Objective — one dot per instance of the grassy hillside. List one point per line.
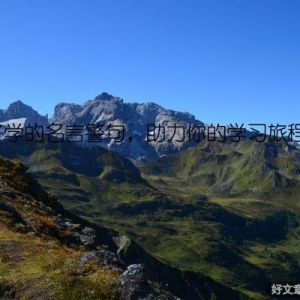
(246, 232)
(244, 169)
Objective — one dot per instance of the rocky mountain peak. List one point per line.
(104, 96)
(107, 98)
(18, 110)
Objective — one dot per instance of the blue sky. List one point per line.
(223, 61)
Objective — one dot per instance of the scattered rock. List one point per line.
(87, 236)
(136, 286)
(104, 258)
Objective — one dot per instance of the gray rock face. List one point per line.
(104, 258)
(136, 286)
(138, 142)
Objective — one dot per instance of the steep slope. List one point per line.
(41, 245)
(46, 253)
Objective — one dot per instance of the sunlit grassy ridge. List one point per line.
(247, 169)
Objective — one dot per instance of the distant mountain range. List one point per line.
(132, 117)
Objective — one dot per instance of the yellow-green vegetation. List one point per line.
(37, 264)
(244, 169)
(33, 268)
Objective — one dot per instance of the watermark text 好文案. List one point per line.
(284, 289)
